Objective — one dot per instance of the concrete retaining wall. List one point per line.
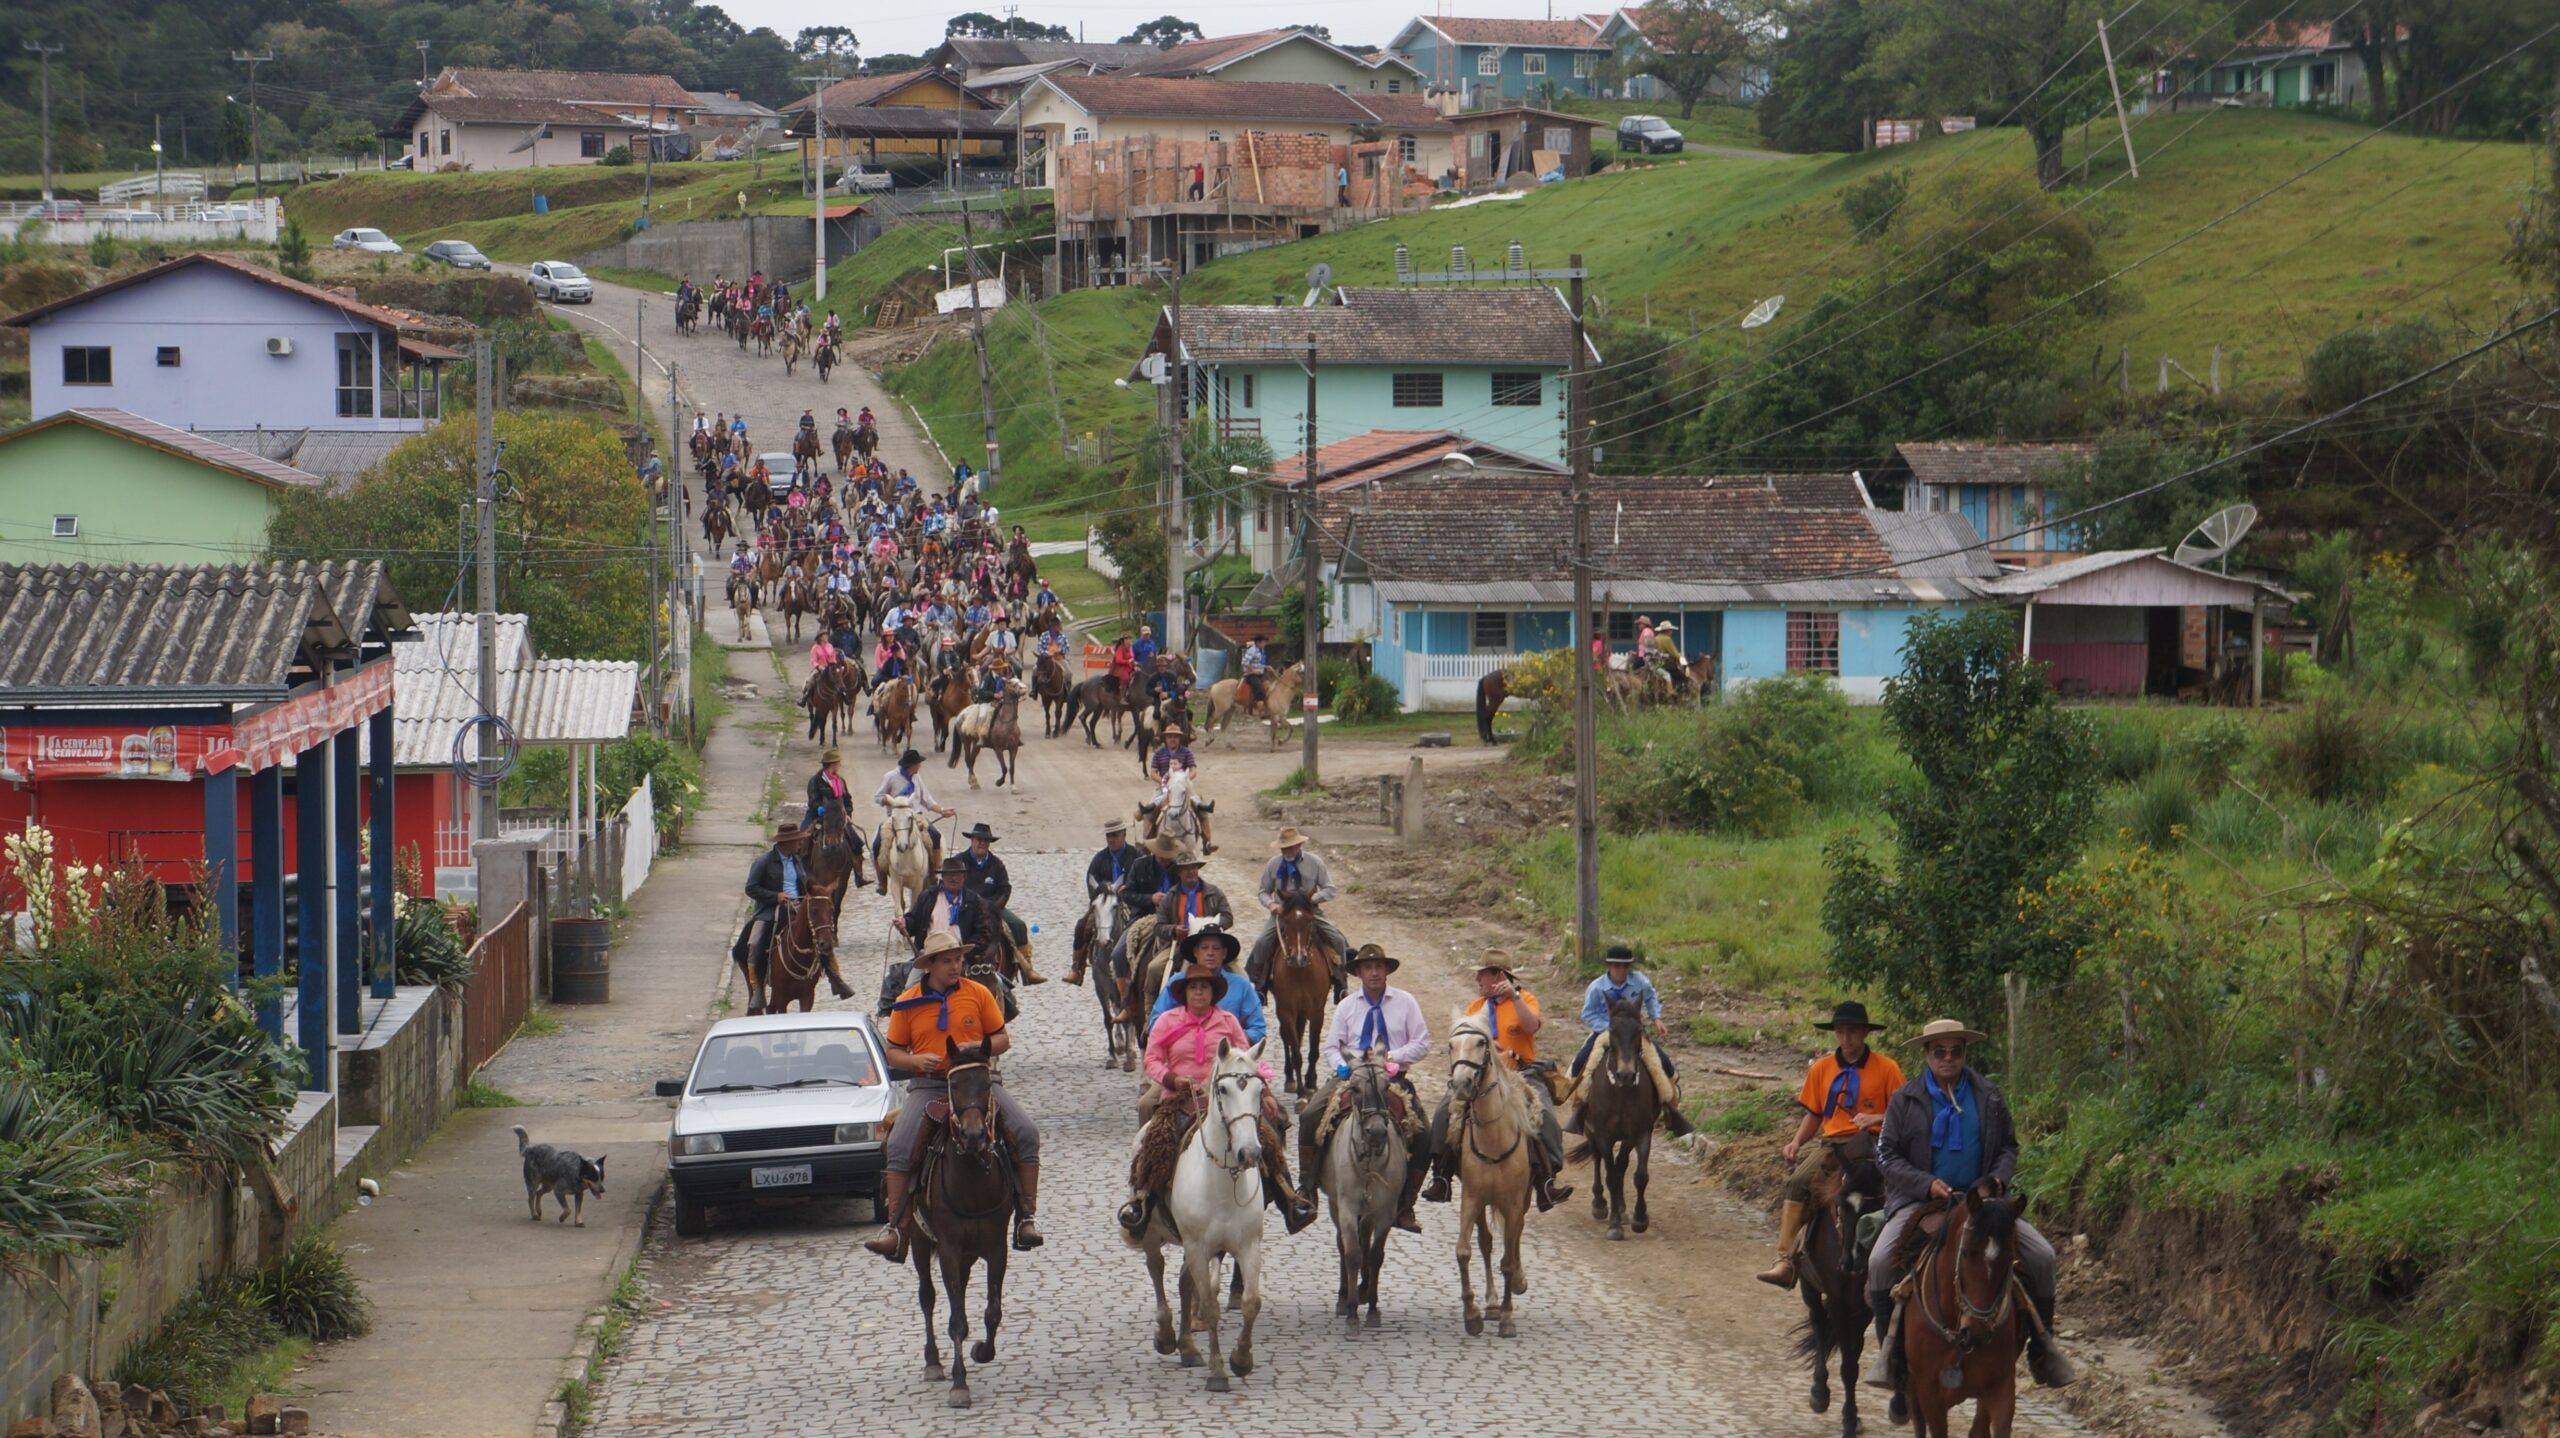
(406, 1073)
(776, 244)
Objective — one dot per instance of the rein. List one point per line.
(1963, 1336)
(782, 949)
(1478, 1093)
(1224, 1123)
(1005, 1193)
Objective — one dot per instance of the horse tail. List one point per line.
(1810, 1341)
(1579, 1153)
(1486, 705)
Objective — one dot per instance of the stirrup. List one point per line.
(1026, 1234)
(1134, 1214)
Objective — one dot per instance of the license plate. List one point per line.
(782, 1176)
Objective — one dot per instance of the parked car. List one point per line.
(562, 283)
(130, 215)
(780, 1106)
(61, 210)
(859, 181)
(460, 254)
(727, 152)
(373, 242)
(229, 214)
(1651, 134)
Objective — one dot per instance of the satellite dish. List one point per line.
(2215, 537)
(1317, 279)
(1153, 367)
(1763, 312)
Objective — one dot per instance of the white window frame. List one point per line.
(1080, 136)
(66, 526)
(1489, 63)
(1408, 149)
(1533, 64)
(1583, 66)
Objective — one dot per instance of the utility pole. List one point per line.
(2107, 52)
(978, 337)
(1177, 517)
(648, 178)
(679, 613)
(44, 65)
(1310, 600)
(818, 162)
(423, 76)
(658, 589)
(159, 171)
(1586, 748)
(484, 366)
(257, 143)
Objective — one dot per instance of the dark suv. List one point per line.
(1651, 134)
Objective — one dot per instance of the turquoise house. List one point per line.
(1493, 62)
(1488, 364)
(1451, 577)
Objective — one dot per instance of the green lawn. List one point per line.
(588, 204)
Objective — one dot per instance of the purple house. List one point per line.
(208, 341)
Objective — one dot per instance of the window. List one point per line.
(1518, 387)
(1395, 87)
(1622, 627)
(1248, 391)
(1489, 63)
(1416, 391)
(590, 144)
(444, 142)
(1559, 140)
(1213, 137)
(1813, 643)
(1533, 63)
(66, 526)
(168, 356)
(355, 376)
(88, 364)
(1079, 136)
(1490, 631)
(1582, 67)
(1408, 149)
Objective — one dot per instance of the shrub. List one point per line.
(427, 949)
(618, 155)
(207, 1336)
(312, 1292)
(2328, 755)
(2163, 807)
(2232, 822)
(1364, 699)
(1870, 205)
(2128, 744)
(102, 249)
(293, 251)
(2208, 750)
(67, 1177)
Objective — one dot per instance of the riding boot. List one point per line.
(1550, 1193)
(1022, 961)
(1134, 1214)
(1443, 1167)
(1676, 1123)
(1414, 1174)
(835, 979)
(1879, 1370)
(891, 1241)
(1308, 1158)
(1026, 1228)
(2045, 1363)
(1075, 971)
(1782, 1274)
(1295, 1212)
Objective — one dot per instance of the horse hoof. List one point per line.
(1600, 1207)
(983, 1351)
(1192, 1360)
(1849, 1426)
(1218, 1383)
(1642, 1223)
(1898, 1410)
(1617, 1234)
(959, 1398)
(1821, 1399)
(1475, 1328)
(1371, 1321)
(1344, 1308)
(1165, 1343)
(1239, 1364)
(1509, 1329)
(933, 1373)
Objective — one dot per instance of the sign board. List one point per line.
(108, 751)
(956, 299)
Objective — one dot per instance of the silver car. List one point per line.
(562, 283)
(370, 241)
(780, 1107)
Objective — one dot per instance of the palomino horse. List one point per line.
(1301, 980)
(1214, 1210)
(906, 854)
(742, 602)
(893, 713)
(1619, 1107)
(1965, 1322)
(1091, 700)
(1093, 939)
(1834, 1281)
(995, 727)
(1285, 687)
(1363, 1179)
(1049, 682)
(802, 944)
(963, 1214)
(1229, 698)
(1492, 1121)
(791, 347)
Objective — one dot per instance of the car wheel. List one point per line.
(692, 1219)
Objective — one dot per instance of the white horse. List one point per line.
(1175, 817)
(906, 854)
(1214, 1211)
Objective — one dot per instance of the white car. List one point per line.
(859, 181)
(780, 1106)
(370, 241)
(562, 283)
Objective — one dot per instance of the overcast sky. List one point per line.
(917, 27)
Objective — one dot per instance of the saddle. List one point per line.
(1407, 1115)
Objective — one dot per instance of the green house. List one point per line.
(101, 486)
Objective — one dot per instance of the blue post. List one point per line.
(311, 912)
(345, 792)
(266, 893)
(222, 865)
(385, 926)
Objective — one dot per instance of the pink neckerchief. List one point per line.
(1198, 1026)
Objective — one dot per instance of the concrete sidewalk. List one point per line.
(477, 1307)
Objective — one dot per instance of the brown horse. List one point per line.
(1049, 683)
(1091, 700)
(945, 695)
(1301, 980)
(716, 526)
(1964, 1324)
(844, 432)
(893, 713)
(963, 1214)
(1833, 1281)
(1491, 691)
(803, 944)
(798, 600)
(1619, 1108)
(1000, 734)
(804, 449)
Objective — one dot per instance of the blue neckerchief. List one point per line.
(1845, 1085)
(1946, 1119)
(1115, 855)
(1493, 1017)
(951, 907)
(1373, 1029)
(924, 996)
(790, 878)
(1288, 873)
(975, 862)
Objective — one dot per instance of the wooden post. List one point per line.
(2257, 650)
(1409, 817)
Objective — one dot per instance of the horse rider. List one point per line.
(942, 1011)
(775, 880)
(1183, 1041)
(1191, 955)
(948, 907)
(1107, 872)
(907, 782)
(1389, 1020)
(988, 880)
(1254, 667)
(1142, 650)
(1123, 665)
(1044, 601)
(1173, 751)
(1947, 1131)
(1149, 876)
(1292, 870)
(1186, 901)
(829, 795)
(1512, 1017)
(1844, 1097)
(1618, 984)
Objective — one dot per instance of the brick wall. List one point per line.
(1109, 177)
(406, 1075)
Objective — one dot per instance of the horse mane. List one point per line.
(1996, 1222)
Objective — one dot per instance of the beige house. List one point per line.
(1280, 57)
(1112, 110)
(473, 119)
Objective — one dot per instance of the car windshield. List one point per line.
(566, 272)
(785, 1058)
(459, 250)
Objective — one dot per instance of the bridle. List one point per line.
(820, 926)
(1976, 1323)
(1220, 1123)
(1368, 1085)
(1477, 1090)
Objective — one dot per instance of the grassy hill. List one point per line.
(2399, 225)
(588, 204)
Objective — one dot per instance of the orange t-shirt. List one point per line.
(1827, 1093)
(1521, 1045)
(973, 1016)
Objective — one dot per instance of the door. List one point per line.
(2161, 650)
(2289, 87)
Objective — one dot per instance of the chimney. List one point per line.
(730, 94)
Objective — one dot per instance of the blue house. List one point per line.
(1491, 62)
(1767, 574)
(2000, 489)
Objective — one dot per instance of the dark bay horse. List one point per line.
(1833, 1281)
(963, 1214)
(803, 942)
(1049, 685)
(1491, 691)
(1090, 701)
(1964, 1324)
(1301, 980)
(1619, 1108)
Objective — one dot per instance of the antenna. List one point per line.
(2216, 536)
(1764, 312)
(1317, 279)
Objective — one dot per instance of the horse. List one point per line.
(842, 440)
(797, 600)
(1283, 698)
(893, 713)
(1491, 691)
(791, 352)
(802, 944)
(945, 695)
(1492, 1121)
(866, 440)
(1301, 980)
(805, 449)
(1962, 1328)
(1214, 1211)
(963, 1214)
(1175, 817)
(1228, 698)
(1094, 934)
(825, 358)
(1364, 1168)
(1091, 700)
(716, 526)
(906, 854)
(1833, 1281)
(742, 601)
(1049, 682)
(1619, 1109)
(996, 727)
(823, 697)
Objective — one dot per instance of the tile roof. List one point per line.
(1537, 34)
(1407, 112)
(1982, 463)
(1193, 57)
(202, 448)
(589, 87)
(128, 633)
(982, 53)
(864, 90)
(337, 455)
(1160, 98)
(1442, 325)
(1389, 453)
(352, 307)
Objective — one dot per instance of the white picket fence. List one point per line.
(1447, 681)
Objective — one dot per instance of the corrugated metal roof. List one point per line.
(130, 633)
(546, 701)
(574, 701)
(1944, 545)
(1626, 593)
(2047, 576)
(2207, 586)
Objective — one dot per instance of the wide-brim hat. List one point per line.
(1114, 825)
(1187, 857)
(940, 941)
(1936, 1029)
(980, 830)
(954, 865)
(1289, 838)
(1851, 1014)
(1498, 961)
(787, 832)
(1371, 953)
(1180, 981)
(909, 757)
(1189, 948)
(832, 756)
(1618, 954)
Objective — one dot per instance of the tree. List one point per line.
(2135, 460)
(235, 131)
(825, 40)
(293, 251)
(1690, 44)
(979, 25)
(657, 50)
(1163, 32)
(1319, 31)
(758, 66)
(1990, 57)
(2007, 789)
(1820, 94)
(894, 63)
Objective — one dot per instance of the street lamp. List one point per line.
(159, 177)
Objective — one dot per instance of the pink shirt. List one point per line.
(1186, 1044)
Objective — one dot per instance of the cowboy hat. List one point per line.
(1182, 981)
(1937, 1029)
(1187, 857)
(955, 865)
(910, 758)
(980, 830)
(940, 941)
(1289, 838)
(1162, 846)
(1848, 1015)
(1114, 825)
(1189, 948)
(788, 832)
(1619, 954)
(832, 756)
(1498, 961)
(1371, 953)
